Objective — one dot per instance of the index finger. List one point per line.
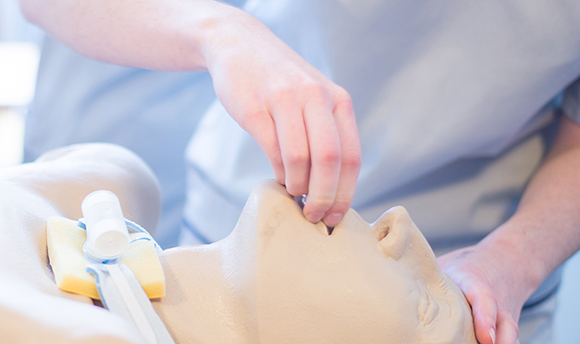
(325, 153)
(350, 160)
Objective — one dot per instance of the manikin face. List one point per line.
(280, 279)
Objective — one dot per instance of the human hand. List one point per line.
(304, 123)
(489, 279)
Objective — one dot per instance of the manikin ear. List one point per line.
(401, 240)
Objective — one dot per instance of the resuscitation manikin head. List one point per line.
(278, 278)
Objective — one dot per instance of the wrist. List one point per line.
(228, 34)
(222, 29)
(511, 253)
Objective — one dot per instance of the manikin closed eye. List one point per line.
(279, 279)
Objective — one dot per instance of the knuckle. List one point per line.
(320, 203)
(282, 93)
(297, 158)
(315, 89)
(330, 155)
(343, 99)
(251, 118)
(351, 159)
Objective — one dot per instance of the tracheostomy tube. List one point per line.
(107, 234)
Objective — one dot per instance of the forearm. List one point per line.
(169, 35)
(546, 226)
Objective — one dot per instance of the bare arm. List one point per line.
(304, 123)
(547, 221)
(503, 270)
(155, 34)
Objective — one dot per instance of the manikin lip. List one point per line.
(300, 201)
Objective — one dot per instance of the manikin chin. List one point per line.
(279, 279)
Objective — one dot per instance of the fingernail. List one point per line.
(314, 217)
(492, 334)
(333, 219)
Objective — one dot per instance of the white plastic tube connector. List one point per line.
(107, 235)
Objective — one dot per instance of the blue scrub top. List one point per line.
(455, 103)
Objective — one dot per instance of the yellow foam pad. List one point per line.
(65, 251)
